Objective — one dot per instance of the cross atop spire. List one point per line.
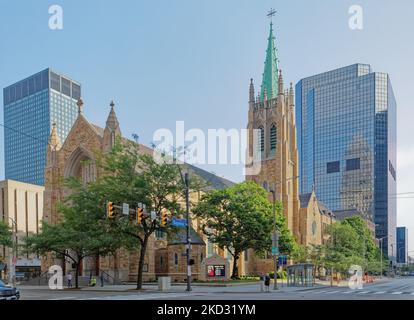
(272, 12)
(270, 73)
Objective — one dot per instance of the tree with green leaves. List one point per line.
(370, 252)
(132, 177)
(240, 218)
(343, 248)
(82, 229)
(5, 234)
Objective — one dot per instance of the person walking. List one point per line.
(267, 282)
(69, 278)
(102, 279)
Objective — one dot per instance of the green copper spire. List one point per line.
(270, 73)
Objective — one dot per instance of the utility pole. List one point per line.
(12, 267)
(187, 211)
(333, 242)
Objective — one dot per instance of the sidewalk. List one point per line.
(208, 288)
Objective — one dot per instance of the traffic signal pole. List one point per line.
(188, 250)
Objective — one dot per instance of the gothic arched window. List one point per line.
(273, 139)
(261, 141)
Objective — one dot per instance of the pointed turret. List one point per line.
(251, 91)
(270, 72)
(112, 129)
(291, 96)
(280, 82)
(80, 106)
(112, 121)
(54, 140)
(53, 148)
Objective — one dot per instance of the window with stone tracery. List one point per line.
(273, 139)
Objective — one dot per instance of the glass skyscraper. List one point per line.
(402, 244)
(31, 106)
(346, 128)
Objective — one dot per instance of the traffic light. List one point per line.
(140, 213)
(110, 210)
(163, 218)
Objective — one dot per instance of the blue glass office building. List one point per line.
(402, 244)
(346, 128)
(31, 106)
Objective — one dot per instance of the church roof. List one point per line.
(270, 73)
(180, 237)
(213, 181)
(304, 199)
(304, 203)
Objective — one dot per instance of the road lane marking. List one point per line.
(346, 292)
(379, 292)
(396, 292)
(65, 298)
(363, 292)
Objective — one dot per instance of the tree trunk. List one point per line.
(77, 275)
(141, 262)
(77, 272)
(235, 272)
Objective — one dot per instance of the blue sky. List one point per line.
(168, 60)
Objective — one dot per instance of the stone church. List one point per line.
(272, 148)
(68, 160)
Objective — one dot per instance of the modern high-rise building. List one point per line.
(346, 128)
(402, 245)
(31, 106)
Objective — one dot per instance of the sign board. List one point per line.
(275, 250)
(216, 271)
(179, 223)
(153, 215)
(125, 208)
(282, 260)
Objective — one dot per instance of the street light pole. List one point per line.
(187, 211)
(275, 235)
(381, 256)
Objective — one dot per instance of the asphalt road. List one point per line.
(392, 289)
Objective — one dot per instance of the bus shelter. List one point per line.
(300, 275)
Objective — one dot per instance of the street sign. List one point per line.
(179, 223)
(125, 208)
(275, 251)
